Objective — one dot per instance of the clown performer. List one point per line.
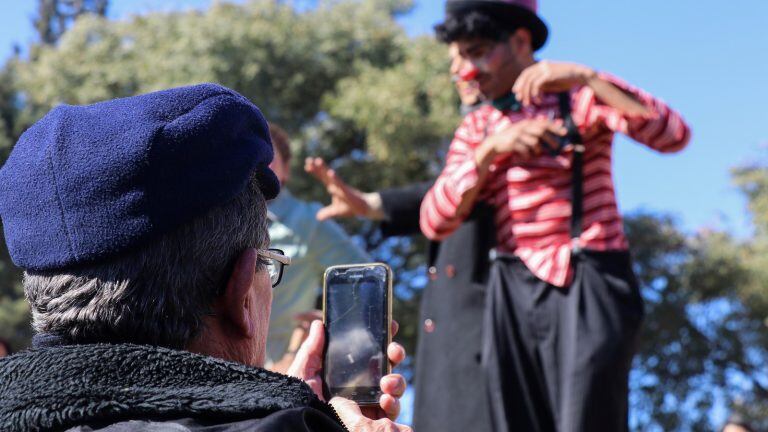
(563, 307)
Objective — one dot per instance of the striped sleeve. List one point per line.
(663, 130)
(439, 210)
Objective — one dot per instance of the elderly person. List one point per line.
(142, 228)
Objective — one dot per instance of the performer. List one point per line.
(453, 301)
(563, 306)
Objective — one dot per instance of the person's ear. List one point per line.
(521, 42)
(236, 302)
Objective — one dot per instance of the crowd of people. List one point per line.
(152, 230)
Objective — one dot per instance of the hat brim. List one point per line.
(518, 15)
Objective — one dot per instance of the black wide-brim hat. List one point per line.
(519, 13)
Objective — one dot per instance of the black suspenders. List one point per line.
(577, 166)
(577, 169)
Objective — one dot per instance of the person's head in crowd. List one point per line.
(5, 348)
(281, 164)
(162, 249)
(737, 423)
(496, 40)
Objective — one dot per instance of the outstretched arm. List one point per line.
(346, 201)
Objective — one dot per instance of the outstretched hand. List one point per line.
(346, 201)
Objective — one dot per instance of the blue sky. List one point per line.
(704, 58)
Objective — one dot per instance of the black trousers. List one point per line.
(558, 359)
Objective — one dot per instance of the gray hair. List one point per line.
(157, 294)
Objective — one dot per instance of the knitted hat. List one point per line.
(89, 182)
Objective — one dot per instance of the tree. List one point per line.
(56, 16)
(702, 346)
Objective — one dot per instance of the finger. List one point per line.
(517, 87)
(395, 353)
(551, 140)
(390, 406)
(526, 144)
(308, 166)
(520, 86)
(313, 166)
(323, 170)
(557, 128)
(309, 357)
(348, 411)
(308, 316)
(328, 212)
(530, 84)
(393, 384)
(538, 83)
(537, 87)
(525, 85)
(394, 326)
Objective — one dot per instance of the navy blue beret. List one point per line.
(89, 182)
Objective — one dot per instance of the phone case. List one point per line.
(389, 318)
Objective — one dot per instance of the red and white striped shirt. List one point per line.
(532, 198)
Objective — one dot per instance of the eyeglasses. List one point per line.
(275, 261)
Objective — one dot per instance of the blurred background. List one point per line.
(364, 84)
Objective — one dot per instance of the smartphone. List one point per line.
(357, 312)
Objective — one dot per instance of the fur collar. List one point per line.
(65, 386)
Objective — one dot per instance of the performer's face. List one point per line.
(468, 90)
(495, 65)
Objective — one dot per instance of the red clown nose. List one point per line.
(469, 72)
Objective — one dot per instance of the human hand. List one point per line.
(524, 138)
(298, 336)
(346, 201)
(355, 420)
(309, 362)
(549, 77)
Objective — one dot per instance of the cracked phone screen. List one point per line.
(357, 329)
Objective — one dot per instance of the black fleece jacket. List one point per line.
(132, 387)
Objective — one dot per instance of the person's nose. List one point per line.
(468, 71)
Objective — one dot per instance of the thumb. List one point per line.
(327, 212)
(348, 411)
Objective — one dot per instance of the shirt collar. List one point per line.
(507, 102)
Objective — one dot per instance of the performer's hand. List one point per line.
(309, 362)
(523, 139)
(549, 77)
(346, 201)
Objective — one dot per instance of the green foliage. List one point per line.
(284, 61)
(702, 342)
